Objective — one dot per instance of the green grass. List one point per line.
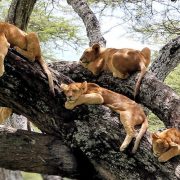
(31, 176)
(172, 80)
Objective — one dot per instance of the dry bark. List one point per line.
(93, 132)
(90, 21)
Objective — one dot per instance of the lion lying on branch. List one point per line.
(131, 114)
(120, 62)
(27, 44)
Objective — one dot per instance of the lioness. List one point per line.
(166, 144)
(121, 62)
(26, 44)
(131, 114)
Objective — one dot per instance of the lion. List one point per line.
(131, 114)
(166, 144)
(120, 62)
(5, 113)
(27, 44)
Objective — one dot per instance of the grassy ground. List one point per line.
(172, 80)
(31, 176)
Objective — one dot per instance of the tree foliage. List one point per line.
(151, 20)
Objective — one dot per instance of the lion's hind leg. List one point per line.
(32, 48)
(125, 117)
(4, 45)
(117, 66)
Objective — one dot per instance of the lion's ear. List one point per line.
(84, 86)
(64, 87)
(155, 136)
(96, 47)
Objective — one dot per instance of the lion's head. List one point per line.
(160, 145)
(90, 55)
(74, 90)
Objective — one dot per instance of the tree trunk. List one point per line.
(93, 132)
(19, 13)
(90, 21)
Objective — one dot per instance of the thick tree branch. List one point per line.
(93, 132)
(19, 13)
(154, 94)
(35, 152)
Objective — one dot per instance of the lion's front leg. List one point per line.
(32, 47)
(92, 98)
(169, 154)
(29, 55)
(69, 105)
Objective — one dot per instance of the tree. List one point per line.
(19, 13)
(88, 140)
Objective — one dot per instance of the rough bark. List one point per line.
(168, 59)
(19, 13)
(93, 132)
(90, 21)
(48, 154)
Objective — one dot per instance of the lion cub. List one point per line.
(26, 44)
(166, 144)
(120, 62)
(131, 114)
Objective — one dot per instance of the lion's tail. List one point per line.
(142, 131)
(141, 75)
(48, 73)
(145, 54)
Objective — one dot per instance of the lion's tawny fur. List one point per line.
(5, 113)
(166, 144)
(131, 114)
(120, 62)
(26, 44)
